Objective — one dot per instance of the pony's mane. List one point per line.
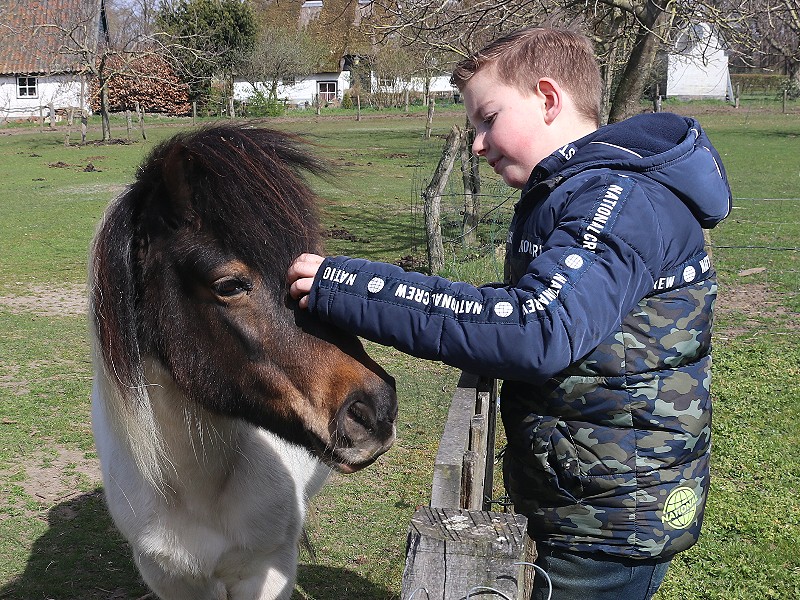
(243, 185)
(247, 188)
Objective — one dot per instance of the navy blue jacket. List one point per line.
(606, 273)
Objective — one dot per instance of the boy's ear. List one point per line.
(552, 95)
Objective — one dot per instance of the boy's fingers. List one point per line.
(300, 276)
(305, 265)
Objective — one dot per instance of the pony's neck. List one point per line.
(200, 446)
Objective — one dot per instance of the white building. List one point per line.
(331, 87)
(698, 66)
(37, 69)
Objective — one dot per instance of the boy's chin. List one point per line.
(513, 181)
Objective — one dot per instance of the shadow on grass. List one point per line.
(81, 556)
(316, 582)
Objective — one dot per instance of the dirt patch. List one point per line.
(12, 382)
(753, 301)
(67, 301)
(54, 478)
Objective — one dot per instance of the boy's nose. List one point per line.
(479, 145)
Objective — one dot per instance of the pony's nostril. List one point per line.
(363, 415)
(368, 418)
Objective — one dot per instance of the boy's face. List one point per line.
(510, 126)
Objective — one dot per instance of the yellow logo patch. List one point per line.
(680, 508)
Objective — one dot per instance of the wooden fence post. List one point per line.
(432, 201)
(140, 117)
(70, 121)
(451, 551)
(429, 120)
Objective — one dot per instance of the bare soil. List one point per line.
(68, 301)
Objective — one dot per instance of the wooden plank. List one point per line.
(447, 468)
(477, 444)
(452, 551)
(487, 391)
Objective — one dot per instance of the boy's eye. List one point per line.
(489, 119)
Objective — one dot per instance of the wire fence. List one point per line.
(755, 248)
(472, 253)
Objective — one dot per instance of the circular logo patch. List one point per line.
(574, 261)
(375, 285)
(680, 508)
(688, 274)
(503, 309)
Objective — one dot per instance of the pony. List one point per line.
(218, 406)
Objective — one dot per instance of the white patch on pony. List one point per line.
(226, 516)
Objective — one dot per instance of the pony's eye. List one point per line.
(228, 287)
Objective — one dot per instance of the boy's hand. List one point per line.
(301, 276)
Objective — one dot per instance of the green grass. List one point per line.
(66, 548)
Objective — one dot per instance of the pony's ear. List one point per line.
(177, 209)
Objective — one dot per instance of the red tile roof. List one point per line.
(42, 36)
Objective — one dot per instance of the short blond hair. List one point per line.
(523, 57)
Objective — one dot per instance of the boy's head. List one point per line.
(520, 59)
(527, 95)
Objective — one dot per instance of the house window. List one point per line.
(289, 81)
(327, 91)
(386, 82)
(26, 87)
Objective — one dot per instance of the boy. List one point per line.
(602, 331)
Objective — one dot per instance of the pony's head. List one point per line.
(189, 269)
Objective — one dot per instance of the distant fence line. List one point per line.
(760, 233)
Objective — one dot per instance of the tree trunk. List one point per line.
(106, 123)
(637, 70)
(472, 199)
(432, 201)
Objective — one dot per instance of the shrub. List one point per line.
(262, 105)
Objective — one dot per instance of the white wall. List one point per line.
(63, 91)
(305, 89)
(701, 70)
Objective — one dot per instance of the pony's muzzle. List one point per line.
(365, 426)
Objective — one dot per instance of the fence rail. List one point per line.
(463, 473)
(457, 546)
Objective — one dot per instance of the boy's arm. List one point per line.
(570, 299)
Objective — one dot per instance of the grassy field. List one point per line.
(56, 540)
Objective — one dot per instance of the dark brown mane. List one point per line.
(241, 186)
(241, 175)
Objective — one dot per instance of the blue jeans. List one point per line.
(597, 576)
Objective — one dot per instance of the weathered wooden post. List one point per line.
(472, 200)
(128, 123)
(140, 116)
(451, 551)
(70, 121)
(429, 120)
(457, 547)
(432, 200)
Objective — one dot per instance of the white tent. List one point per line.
(698, 65)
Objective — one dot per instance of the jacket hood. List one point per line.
(667, 148)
